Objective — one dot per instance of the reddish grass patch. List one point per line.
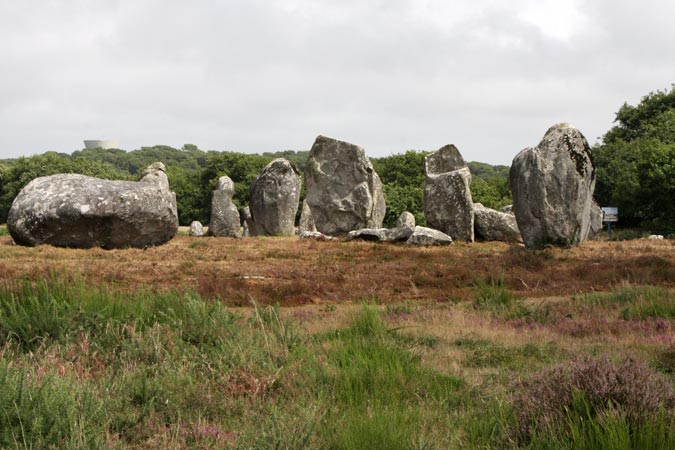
(294, 272)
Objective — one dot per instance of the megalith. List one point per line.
(552, 186)
(492, 225)
(306, 221)
(71, 210)
(596, 225)
(343, 191)
(225, 220)
(448, 206)
(274, 198)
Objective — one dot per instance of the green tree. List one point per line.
(240, 167)
(403, 179)
(635, 164)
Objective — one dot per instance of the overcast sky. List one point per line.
(268, 75)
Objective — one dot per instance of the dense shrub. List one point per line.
(546, 401)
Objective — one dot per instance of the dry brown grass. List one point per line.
(293, 272)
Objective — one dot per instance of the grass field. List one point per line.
(280, 343)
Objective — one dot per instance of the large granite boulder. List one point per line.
(494, 225)
(225, 220)
(448, 205)
(274, 198)
(552, 186)
(343, 191)
(70, 210)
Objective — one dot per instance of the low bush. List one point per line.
(47, 412)
(572, 402)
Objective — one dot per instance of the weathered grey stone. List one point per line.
(595, 227)
(274, 198)
(655, 237)
(343, 191)
(423, 236)
(196, 229)
(225, 220)
(369, 234)
(448, 206)
(306, 221)
(406, 219)
(494, 225)
(246, 221)
(314, 235)
(552, 186)
(508, 209)
(70, 210)
(400, 234)
(381, 234)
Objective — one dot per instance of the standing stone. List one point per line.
(246, 221)
(405, 220)
(274, 198)
(224, 215)
(71, 210)
(196, 229)
(448, 205)
(494, 225)
(343, 191)
(595, 226)
(552, 186)
(306, 221)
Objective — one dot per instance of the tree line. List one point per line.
(635, 167)
(193, 174)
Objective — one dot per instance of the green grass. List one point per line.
(484, 353)
(491, 294)
(86, 366)
(583, 429)
(3, 230)
(638, 302)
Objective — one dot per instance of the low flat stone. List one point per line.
(423, 236)
(316, 235)
(369, 234)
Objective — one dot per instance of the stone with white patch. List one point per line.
(344, 193)
(71, 210)
(448, 206)
(274, 198)
(552, 186)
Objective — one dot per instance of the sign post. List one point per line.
(610, 215)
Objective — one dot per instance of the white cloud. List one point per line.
(265, 75)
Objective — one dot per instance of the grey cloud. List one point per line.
(270, 75)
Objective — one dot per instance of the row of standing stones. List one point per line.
(552, 186)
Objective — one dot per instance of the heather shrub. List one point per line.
(545, 402)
